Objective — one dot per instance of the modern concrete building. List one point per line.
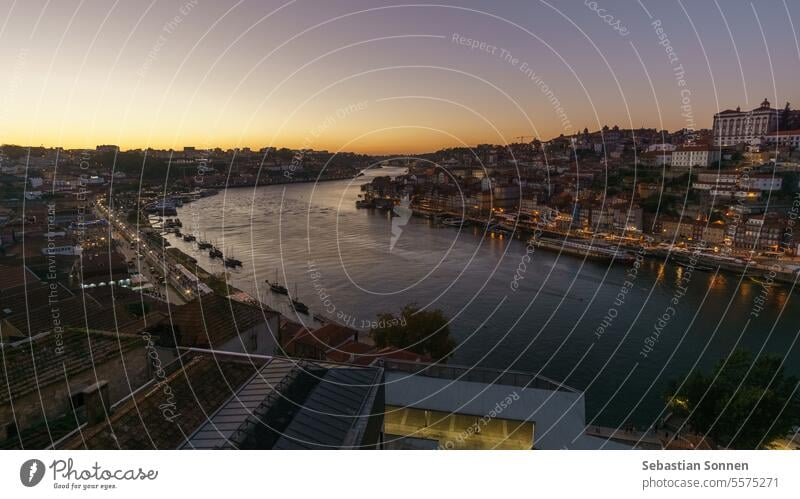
(430, 406)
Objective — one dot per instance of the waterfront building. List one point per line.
(627, 218)
(435, 406)
(712, 233)
(677, 228)
(764, 232)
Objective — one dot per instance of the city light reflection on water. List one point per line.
(547, 324)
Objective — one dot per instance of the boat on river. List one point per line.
(276, 286)
(584, 250)
(297, 304)
(452, 222)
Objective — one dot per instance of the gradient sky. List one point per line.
(375, 76)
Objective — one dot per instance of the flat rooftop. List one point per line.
(557, 411)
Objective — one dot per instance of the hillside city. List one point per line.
(90, 283)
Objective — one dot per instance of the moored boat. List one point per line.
(276, 286)
(297, 304)
(232, 263)
(452, 222)
(589, 251)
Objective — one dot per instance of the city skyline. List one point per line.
(378, 78)
(273, 225)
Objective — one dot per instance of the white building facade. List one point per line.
(691, 156)
(787, 138)
(733, 127)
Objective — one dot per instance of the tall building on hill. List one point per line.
(733, 127)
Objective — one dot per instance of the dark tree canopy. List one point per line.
(421, 331)
(738, 409)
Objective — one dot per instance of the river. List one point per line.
(564, 318)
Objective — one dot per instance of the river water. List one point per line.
(344, 263)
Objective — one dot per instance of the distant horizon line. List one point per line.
(365, 153)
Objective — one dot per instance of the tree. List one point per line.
(790, 183)
(716, 216)
(785, 117)
(421, 331)
(736, 408)
(651, 203)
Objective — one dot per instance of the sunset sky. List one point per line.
(379, 77)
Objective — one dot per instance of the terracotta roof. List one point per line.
(72, 312)
(211, 320)
(81, 311)
(43, 361)
(101, 266)
(289, 329)
(42, 435)
(328, 336)
(118, 295)
(140, 324)
(194, 393)
(12, 276)
(17, 299)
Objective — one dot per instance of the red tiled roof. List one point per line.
(82, 312)
(328, 336)
(15, 276)
(33, 365)
(290, 329)
(211, 320)
(196, 390)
